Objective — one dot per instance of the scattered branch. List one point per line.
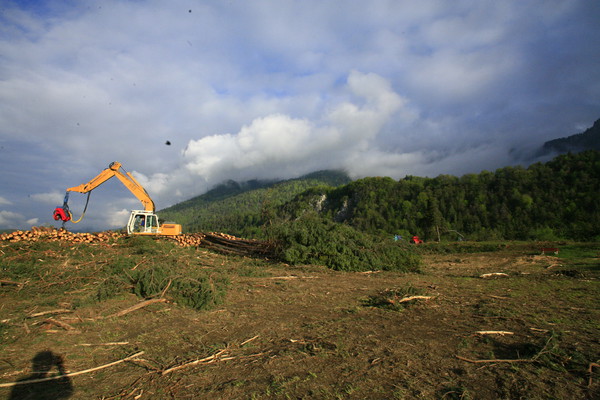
(591, 371)
(411, 298)
(502, 333)
(533, 359)
(136, 307)
(205, 360)
(162, 294)
(51, 312)
(138, 264)
(288, 277)
(249, 340)
(517, 360)
(103, 344)
(4, 282)
(539, 330)
(494, 274)
(221, 355)
(70, 374)
(60, 324)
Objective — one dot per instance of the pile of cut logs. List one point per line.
(55, 235)
(219, 242)
(189, 239)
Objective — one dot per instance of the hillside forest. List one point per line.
(545, 201)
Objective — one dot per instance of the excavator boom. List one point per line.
(114, 169)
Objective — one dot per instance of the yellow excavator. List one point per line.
(141, 222)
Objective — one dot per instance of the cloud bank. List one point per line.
(263, 89)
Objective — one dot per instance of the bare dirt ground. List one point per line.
(531, 331)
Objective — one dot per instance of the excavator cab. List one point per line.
(146, 223)
(142, 222)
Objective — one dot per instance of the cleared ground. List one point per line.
(530, 330)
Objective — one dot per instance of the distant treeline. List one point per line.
(557, 199)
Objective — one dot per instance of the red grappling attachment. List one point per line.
(61, 215)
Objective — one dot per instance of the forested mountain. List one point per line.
(545, 201)
(242, 208)
(557, 199)
(588, 140)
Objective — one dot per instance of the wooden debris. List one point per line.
(591, 371)
(205, 360)
(221, 355)
(70, 374)
(289, 277)
(10, 283)
(517, 360)
(494, 274)
(51, 312)
(539, 330)
(227, 244)
(60, 324)
(137, 307)
(249, 340)
(502, 333)
(411, 298)
(103, 344)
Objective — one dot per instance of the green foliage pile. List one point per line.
(241, 209)
(314, 240)
(558, 199)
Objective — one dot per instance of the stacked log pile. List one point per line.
(226, 244)
(56, 235)
(216, 241)
(188, 239)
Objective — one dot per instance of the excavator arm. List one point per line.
(114, 169)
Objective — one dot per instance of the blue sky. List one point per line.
(277, 89)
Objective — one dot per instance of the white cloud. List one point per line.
(9, 219)
(54, 198)
(118, 218)
(279, 146)
(33, 221)
(263, 90)
(4, 201)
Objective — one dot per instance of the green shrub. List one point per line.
(545, 233)
(148, 245)
(111, 287)
(198, 292)
(313, 240)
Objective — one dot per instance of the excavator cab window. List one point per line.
(145, 223)
(151, 223)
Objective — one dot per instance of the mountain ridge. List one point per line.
(586, 140)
